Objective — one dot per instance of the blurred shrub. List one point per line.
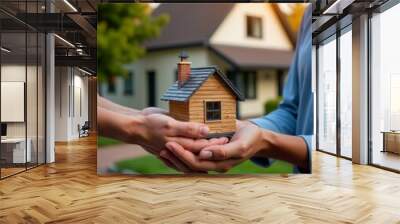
(272, 105)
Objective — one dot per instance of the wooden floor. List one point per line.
(5, 172)
(69, 191)
(387, 159)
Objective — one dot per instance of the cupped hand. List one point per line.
(158, 129)
(246, 142)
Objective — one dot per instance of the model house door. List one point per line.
(151, 89)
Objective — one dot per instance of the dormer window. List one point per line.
(254, 27)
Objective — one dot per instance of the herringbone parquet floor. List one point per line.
(69, 191)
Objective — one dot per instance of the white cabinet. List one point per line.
(19, 155)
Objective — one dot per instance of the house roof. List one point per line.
(283, 19)
(249, 57)
(197, 77)
(188, 26)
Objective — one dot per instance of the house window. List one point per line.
(111, 85)
(128, 84)
(254, 27)
(246, 82)
(151, 88)
(250, 87)
(213, 111)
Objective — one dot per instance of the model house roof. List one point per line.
(197, 77)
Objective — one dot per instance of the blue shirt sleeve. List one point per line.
(285, 119)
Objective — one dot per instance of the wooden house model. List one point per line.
(203, 95)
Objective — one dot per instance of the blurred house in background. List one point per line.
(251, 43)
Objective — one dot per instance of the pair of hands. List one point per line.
(181, 145)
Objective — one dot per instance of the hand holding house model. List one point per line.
(203, 95)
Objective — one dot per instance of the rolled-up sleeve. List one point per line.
(308, 140)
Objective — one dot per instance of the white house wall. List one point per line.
(164, 64)
(232, 31)
(267, 89)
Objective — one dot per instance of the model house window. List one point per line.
(213, 111)
(254, 27)
(128, 84)
(111, 85)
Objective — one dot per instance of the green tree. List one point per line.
(121, 31)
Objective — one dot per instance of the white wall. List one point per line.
(267, 89)
(70, 83)
(11, 73)
(232, 31)
(61, 105)
(33, 126)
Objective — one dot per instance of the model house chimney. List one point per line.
(183, 69)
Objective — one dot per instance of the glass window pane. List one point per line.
(14, 153)
(346, 94)
(385, 89)
(128, 84)
(327, 96)
(32, 97)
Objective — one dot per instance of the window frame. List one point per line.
(251, 23)
(365, 38)
(207, 110)
(337, 38)
(111, 85)
(36, 41)
(129, 80)
(246, 82)
(371, 15)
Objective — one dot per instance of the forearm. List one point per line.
(284, 147)
(107, 104)
(119, 126)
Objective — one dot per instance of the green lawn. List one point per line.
(103, 141)
(151, 165)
